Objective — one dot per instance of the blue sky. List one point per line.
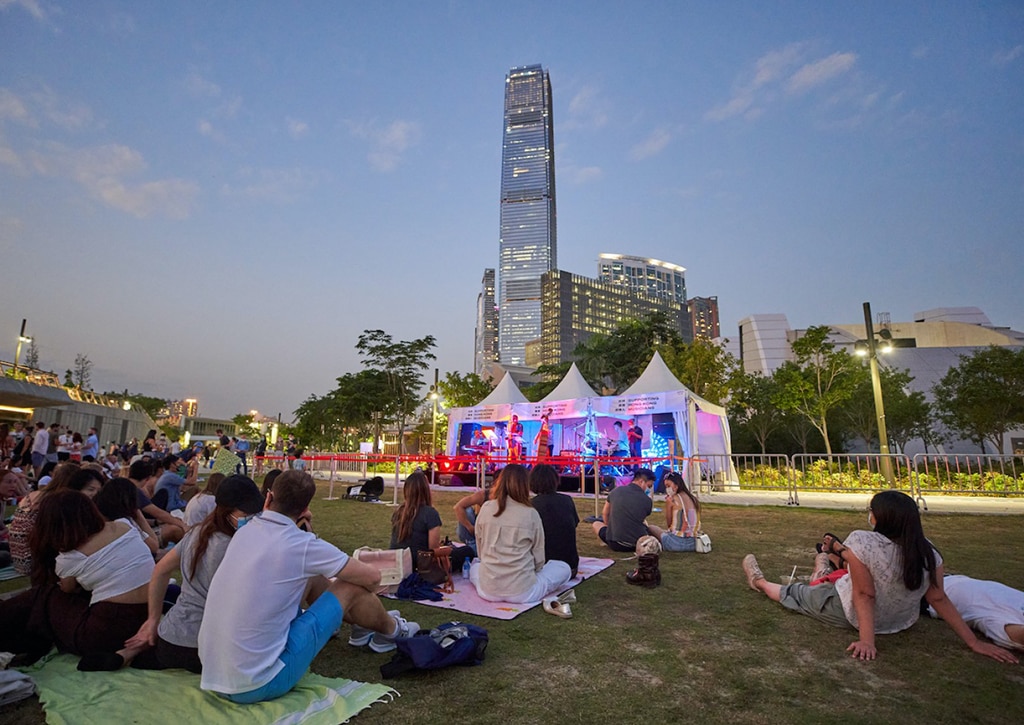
(213, 200)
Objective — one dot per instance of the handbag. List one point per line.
(394, 565)
(435, 567)
(702, 540)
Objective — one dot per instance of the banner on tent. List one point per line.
(486, 413)
(559, 409)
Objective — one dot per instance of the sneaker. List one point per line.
(361, 636)
(386, 643)
(753, 571)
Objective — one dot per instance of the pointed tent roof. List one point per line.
(572, 387)
(657, 378)
(505, 392)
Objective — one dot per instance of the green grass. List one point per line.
(702, 647)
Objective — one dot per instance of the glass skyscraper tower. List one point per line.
(528, 246)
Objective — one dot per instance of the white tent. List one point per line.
(505, 392)
(572, 387)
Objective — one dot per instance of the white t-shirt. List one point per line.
(253, 599)
(199, 507)
(124, 564)
(986, 606)
(896, 607)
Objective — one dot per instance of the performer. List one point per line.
(540, 441)
(619, 444)
(515, 439)
(635, 434)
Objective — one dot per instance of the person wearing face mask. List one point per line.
(177, 474)
(172, 642)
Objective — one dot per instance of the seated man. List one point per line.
(625, 513)
(172, 481)
(994, 609)
(255, 643)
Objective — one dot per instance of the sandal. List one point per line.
(831, 545)
(559, 609)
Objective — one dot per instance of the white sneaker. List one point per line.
(386, 643)
(361, 636)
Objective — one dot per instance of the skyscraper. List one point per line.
(648, 276)
(528, 244)
(485, 345)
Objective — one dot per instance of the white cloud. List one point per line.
(654, 144)
(821, 71)
(196, 85)
(100, 171)
(387, 143)
(787, 69)
(587, 174)
(32, 7)
(587, 109)
(13, 108)
(276, 185)
(1005, 57)
(296, 128)
(68, 115)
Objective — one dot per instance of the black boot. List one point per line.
(647, 574)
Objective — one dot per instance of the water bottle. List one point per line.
(465, 568)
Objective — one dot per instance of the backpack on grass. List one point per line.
(452, 643)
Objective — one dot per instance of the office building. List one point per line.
(648, 276)
(528, 243)
(485, 336)
(575, 307)
(704, 317)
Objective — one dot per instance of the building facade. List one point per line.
(640, 274)
(485, 336)
(528, 243)
(704, 317)
(574, 308)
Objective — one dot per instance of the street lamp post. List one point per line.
(433, 430)
(375, 416)
(876, 383)
(21, 339)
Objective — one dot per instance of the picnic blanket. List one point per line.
(465, 598)
(8, 573)
(128, 695)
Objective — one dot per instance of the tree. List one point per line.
(463, 391)
(908, 415)
(153, 406)
(82, 374)
(702, 366)
(616, 360)
(859, 412)
(69, 381)
(982, 398)
(245, 425)
(403, 364)
(32, 355)
(551, 376)
(752, 405)
(821, 379)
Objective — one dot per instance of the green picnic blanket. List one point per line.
(147, 696)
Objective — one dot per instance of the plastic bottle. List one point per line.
(465, 568)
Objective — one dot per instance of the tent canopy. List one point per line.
(572, 387)
(504, 392)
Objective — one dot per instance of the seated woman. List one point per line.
(416, 525)
(682, 516)
(90, 578)
(118, 499)
(173, 642)
(890, 569)
(557, 514)
(465, 514)
(200, 505)
(510, 541)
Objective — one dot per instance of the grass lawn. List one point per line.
(702, 647)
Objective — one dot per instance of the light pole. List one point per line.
(21, 339)
(876, 383)
(433, 429)
(376, 416)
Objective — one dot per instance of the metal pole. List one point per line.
(17, 352)
(433, 433)
(876, 383)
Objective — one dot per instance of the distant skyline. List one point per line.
(214, 200)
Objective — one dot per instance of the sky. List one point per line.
(213, 200)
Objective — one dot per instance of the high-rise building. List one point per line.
(528, 244)
(649, 276)
(704, 317)
(485, 337)
(576, 307)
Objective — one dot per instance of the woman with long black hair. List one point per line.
(889, 569)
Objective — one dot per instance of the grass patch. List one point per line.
(702, 646)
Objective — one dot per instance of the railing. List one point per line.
(968, 475)
(50, 380)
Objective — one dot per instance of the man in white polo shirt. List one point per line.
(255, 643)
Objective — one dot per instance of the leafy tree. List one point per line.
(821, 379)
(616, 360)
(859, 414)
(82, 375)
(982, 398)
(752, 405)
(153, 406)
(32, 355)
(69, 381)
(702, 366)
(908, 415)
(463, 391)
(245, 425)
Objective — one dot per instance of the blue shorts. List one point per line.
(307, 635)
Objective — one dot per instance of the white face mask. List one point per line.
(871, 520)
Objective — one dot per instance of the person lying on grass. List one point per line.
(890, 569)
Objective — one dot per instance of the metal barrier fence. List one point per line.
(924, 474)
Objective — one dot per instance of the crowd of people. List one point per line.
(260, 594)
